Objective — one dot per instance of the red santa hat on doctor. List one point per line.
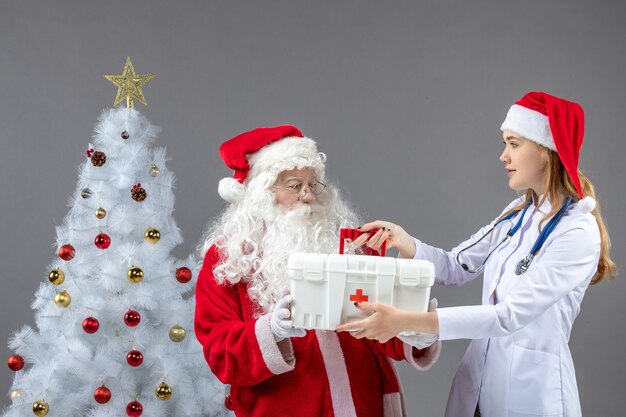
(555, 123)
(266, 149)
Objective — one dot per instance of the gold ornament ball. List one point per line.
(163, 391)
(40, 408)
(16, 394)
(62, 299)
(152, 235)
(101, 213)
(177, 334)
(56, 276)
(135, 274)
(155, 170)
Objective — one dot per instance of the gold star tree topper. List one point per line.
(129, 85)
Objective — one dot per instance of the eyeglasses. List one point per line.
(297, 187)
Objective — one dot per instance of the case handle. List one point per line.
(347, 233)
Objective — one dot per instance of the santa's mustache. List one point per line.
(300, 210)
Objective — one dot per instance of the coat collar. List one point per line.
(545, 207)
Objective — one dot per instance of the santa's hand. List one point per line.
(280, 321)
(421, 340)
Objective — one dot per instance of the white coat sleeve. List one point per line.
(448, 270)
(569, 260)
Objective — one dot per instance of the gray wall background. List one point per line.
(405, 97)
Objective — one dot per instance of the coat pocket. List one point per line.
(535, 383)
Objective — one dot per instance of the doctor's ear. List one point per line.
(545, 156)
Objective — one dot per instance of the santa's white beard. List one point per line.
(256, 237)
(302, 228)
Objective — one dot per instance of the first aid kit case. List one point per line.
(325, 287)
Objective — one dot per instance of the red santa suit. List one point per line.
(321, 374)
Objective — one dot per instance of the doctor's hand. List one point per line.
(280, 321)
(393, 234)
(386, 322)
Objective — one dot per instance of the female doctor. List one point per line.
(538, 257)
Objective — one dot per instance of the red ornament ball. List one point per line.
(91, 325)
(134, 358)
(228, 403)
(15, 362)
(67, 252)
(183, 274)
(132, 318)
(134, 409)
(102, 395)
(102, 241)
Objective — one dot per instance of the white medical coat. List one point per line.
(519, 363)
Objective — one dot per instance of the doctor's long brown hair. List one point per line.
(558, 186)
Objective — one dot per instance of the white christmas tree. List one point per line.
(114, 321)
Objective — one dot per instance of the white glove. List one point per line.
(280, 323)
(421, 340)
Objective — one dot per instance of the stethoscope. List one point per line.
(524, 263)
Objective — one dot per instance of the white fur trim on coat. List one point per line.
(392, 405)
(530, 124)
(427, 360)
(338, 380)
(278, 357)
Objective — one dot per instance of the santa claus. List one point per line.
(281, 203)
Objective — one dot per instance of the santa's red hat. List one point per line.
(555, 123)
(273, 149)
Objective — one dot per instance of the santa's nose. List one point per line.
(307, 196)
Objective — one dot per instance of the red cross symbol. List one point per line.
(359, 297)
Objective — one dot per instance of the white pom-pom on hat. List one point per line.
(231, 190)
(587, 204)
